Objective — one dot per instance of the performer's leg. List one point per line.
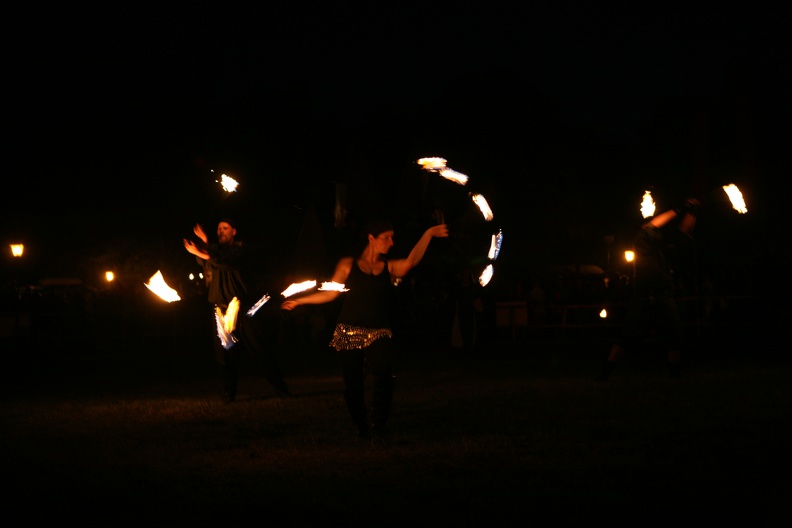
(353, 370)
(379, 357)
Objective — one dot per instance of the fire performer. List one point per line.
(652, 304)
(363, 336)
(228, 264)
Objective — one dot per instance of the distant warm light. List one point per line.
(298, 287)
(647, 205)
(17, 249)
(736, 198)
(486, 275)
(109, 276)
(495, 245)
(604, 314)
(483, 206)
(629, 255)
(157, 284)
(191, 277)
(229, 184)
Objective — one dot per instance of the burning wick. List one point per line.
(439, 165)
(229, 184)
(647, 205)
(484, 206)
(486, 275)
(157, 284)
(333, 286)
(736, 198)
(298, 287)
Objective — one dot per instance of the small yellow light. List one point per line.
(629, 256)
(17, 249)
(109, 276)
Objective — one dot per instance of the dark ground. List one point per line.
(130, 429)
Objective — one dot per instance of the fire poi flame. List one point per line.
(647, 205)
(486, 275)
(495, 245)
(736, 198)
(229, 184)
(439, 165)
(333, 286)
(298, 287)
(261, 302)
(226, 323)
(432, 164)
(157, 284)
(483, 206)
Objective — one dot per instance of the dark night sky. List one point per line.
(561, 115)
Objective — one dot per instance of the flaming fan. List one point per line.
(472, 222)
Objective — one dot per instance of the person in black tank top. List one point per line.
(363, 336)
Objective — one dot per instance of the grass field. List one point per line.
(516, 433)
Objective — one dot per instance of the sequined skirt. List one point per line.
(349, 337)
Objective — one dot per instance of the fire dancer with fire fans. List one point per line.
(227, 263)
(362, 336)
(652, 304)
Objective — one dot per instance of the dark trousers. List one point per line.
(647, 312)
(249, 341)
(376, 359)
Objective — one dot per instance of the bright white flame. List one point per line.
(604, 314)
(484, 206)
(647, 205)
(298, 287)
(229, 184)
(486, 275)
(333, 286)
(17, 249)
(109, 276)
(261, 302)
(735, 197)
(454, 176)
(495, 245)
(432, 164)
(157, 284)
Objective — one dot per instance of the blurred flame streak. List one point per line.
(454, 176)
(647, 205)
(333, 286)
(484, 206)
(495, 245)
(432, 164)
(157, 284)
(486, 275)
(736, 198)
(298, 287)
(261, 302)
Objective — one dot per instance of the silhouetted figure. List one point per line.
(227, 266)
(363, 333)
(652, 305)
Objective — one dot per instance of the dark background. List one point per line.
(119, 120)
